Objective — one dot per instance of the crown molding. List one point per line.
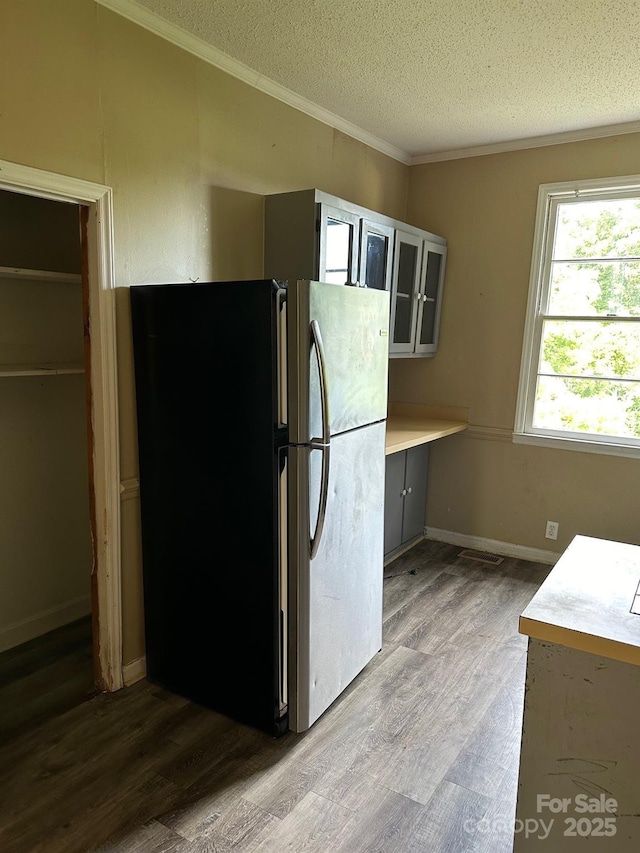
(203, 50)
(530, 142)
(154, 23)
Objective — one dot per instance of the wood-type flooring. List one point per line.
(45, 677)
(419, 754)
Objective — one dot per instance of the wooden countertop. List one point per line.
(410, 424)
(585, 602)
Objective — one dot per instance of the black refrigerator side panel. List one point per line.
(205, 372)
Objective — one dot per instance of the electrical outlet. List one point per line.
(552, 530)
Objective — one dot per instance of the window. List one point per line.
(580, 372)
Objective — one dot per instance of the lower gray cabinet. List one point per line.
(405, 497)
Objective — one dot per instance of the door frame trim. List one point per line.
(104, 398)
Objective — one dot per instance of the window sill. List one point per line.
(576, 444)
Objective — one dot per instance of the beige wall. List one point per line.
(189, 152)
(485, 207)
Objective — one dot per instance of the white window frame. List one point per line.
(549, 195)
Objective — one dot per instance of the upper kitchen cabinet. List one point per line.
(416, 296)
(310, 234)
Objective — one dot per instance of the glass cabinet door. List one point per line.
(338, 246)
(376, 247)
(433, 261)
(405, 291)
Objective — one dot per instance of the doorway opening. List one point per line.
(60, 616)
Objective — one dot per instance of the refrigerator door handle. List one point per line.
(316, 343)
(323, 444)
(314, 541)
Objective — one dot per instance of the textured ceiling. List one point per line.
(429, 76)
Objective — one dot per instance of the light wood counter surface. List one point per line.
(586, 601)
(410, 424)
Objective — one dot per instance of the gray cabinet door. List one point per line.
(339, 232)
(415, 484)
(430, 302)
(405, 292)
(405, 496)
(393, 500)
(376, 254)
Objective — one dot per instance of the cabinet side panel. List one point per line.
(580, 747)
(290, 236)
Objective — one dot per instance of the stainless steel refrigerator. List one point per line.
(261, 412)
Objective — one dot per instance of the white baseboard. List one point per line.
(493, 546)
(134, 671)
(34, 626)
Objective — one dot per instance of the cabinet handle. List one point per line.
(403, 493)
(429, 299)
(409, 490)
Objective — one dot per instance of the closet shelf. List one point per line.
(41, 369)
(40, 275)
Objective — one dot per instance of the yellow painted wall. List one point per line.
(189, 152)
(485, 207)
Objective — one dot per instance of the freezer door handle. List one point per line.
(323, 444)
(318, 346)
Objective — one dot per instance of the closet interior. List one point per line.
(46, 656)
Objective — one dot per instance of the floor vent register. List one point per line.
(481, 557)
